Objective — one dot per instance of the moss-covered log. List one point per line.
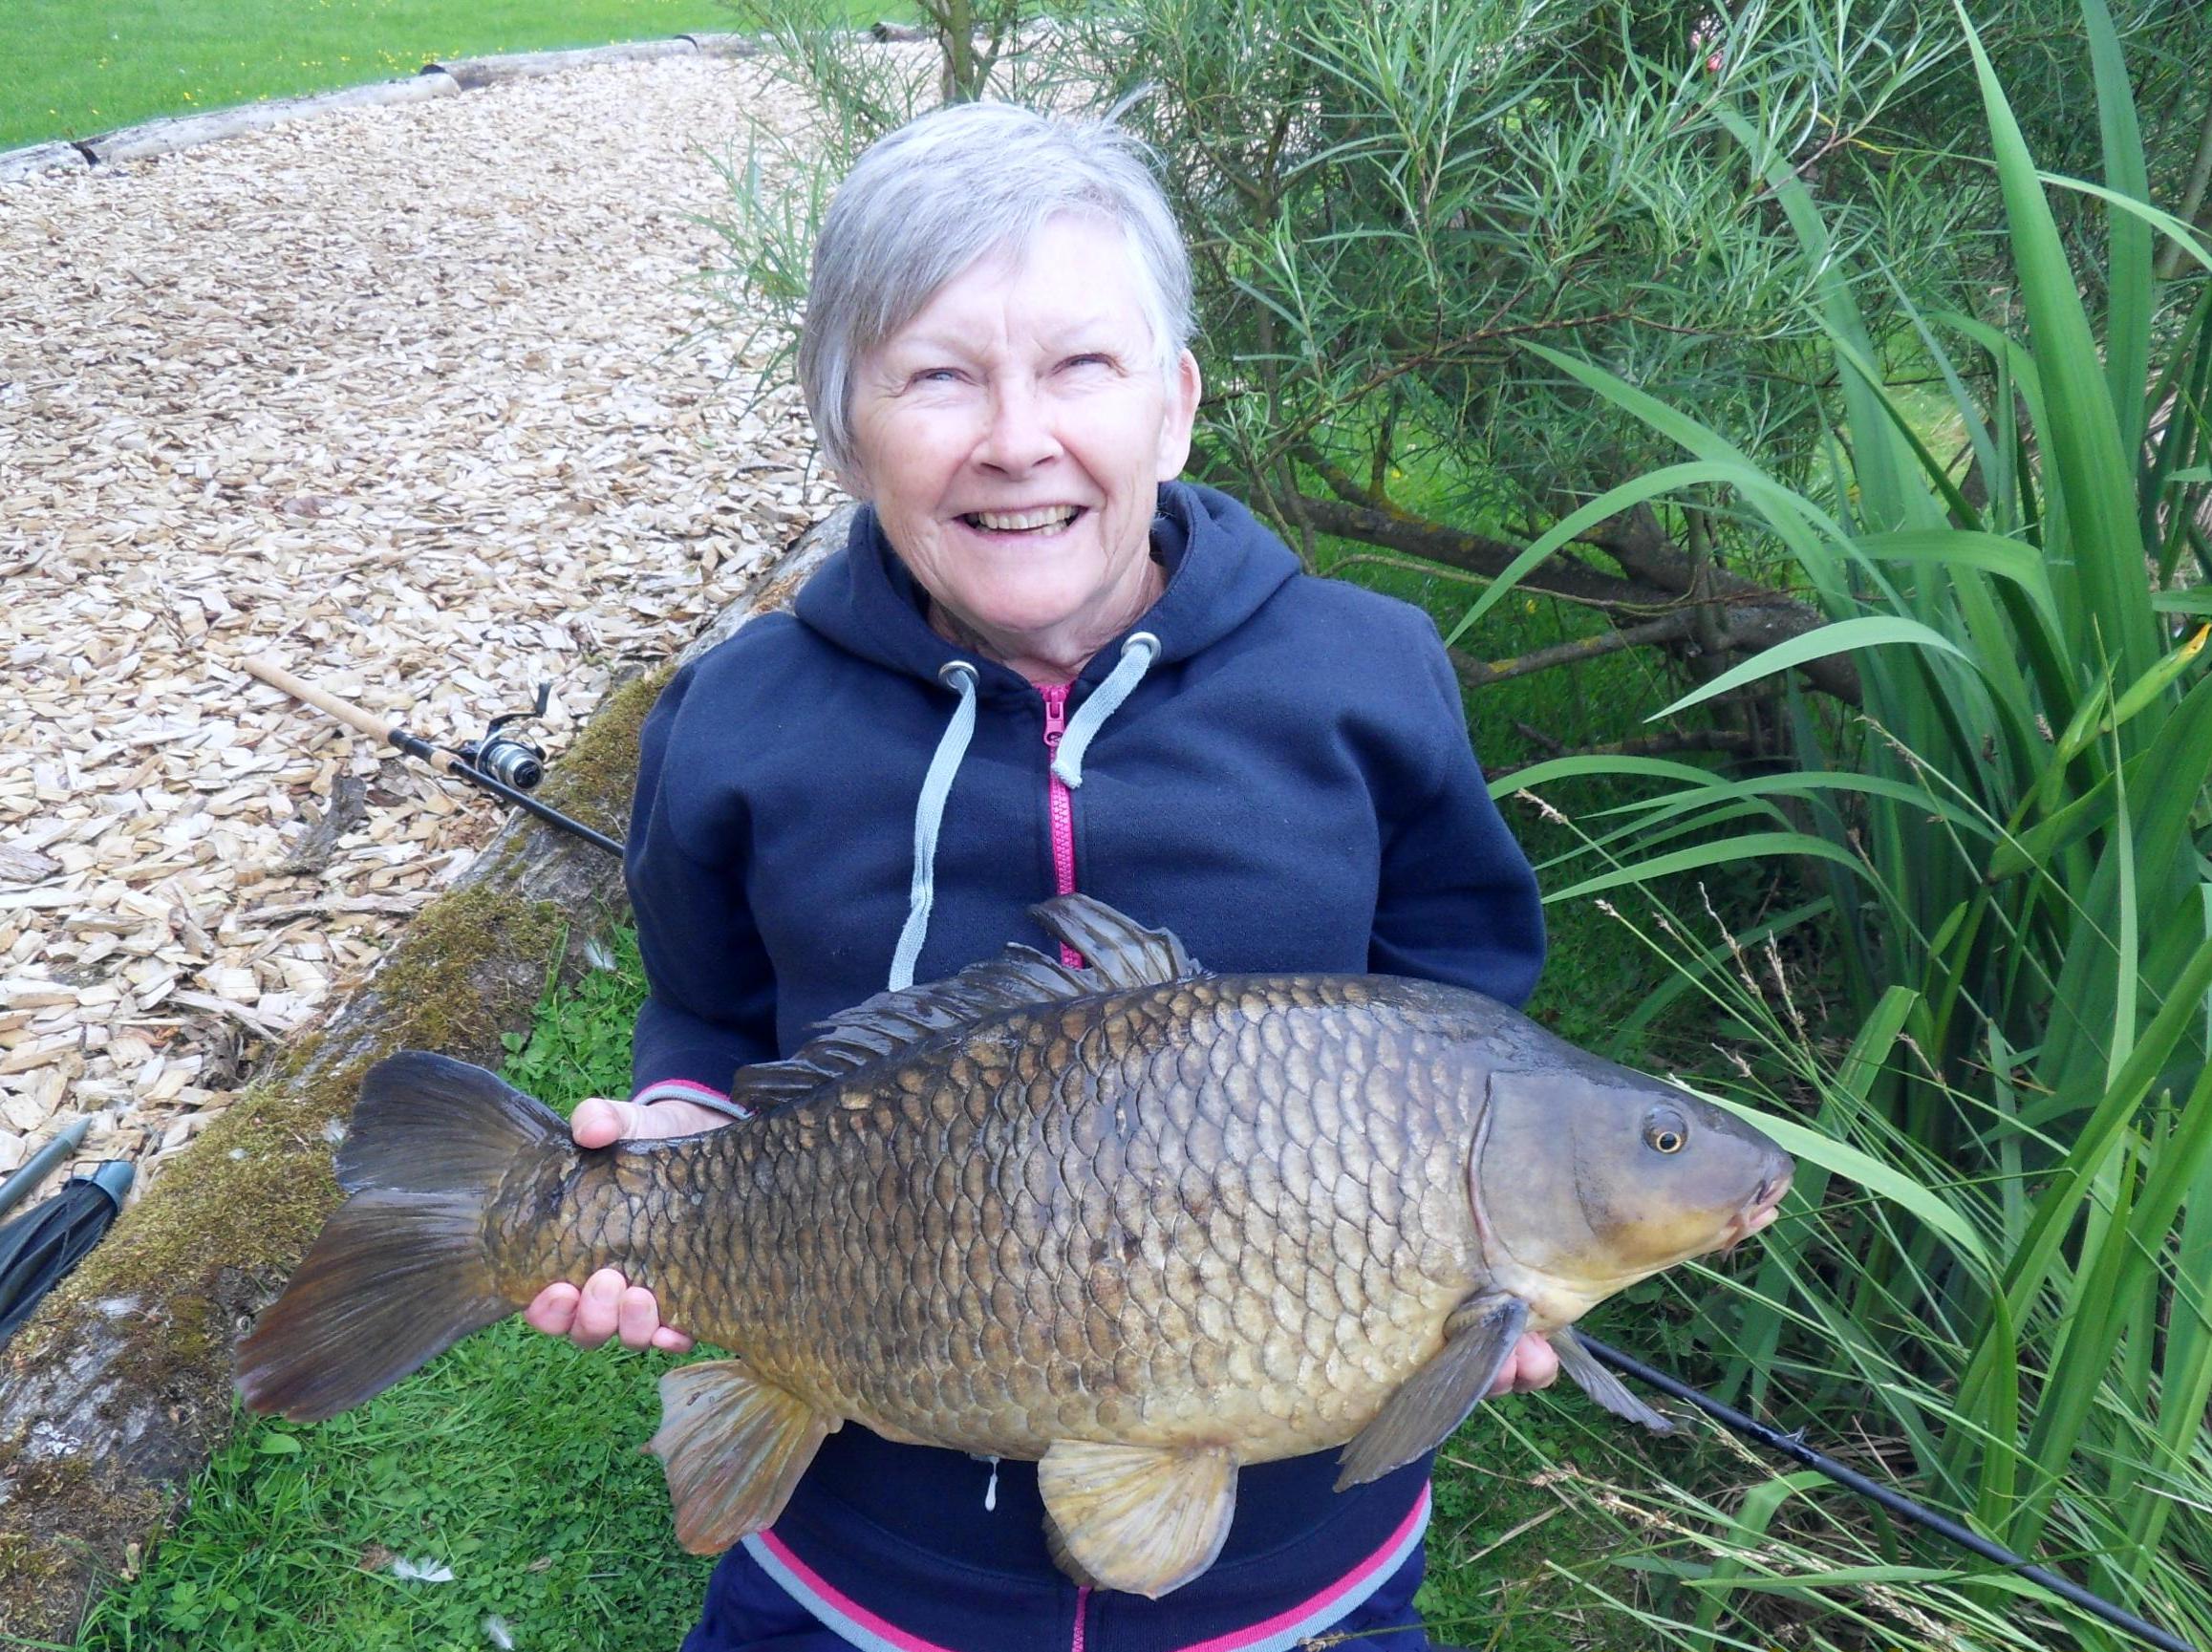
(115, 1392)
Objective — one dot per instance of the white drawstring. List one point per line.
(929, 816)
(1138, 652)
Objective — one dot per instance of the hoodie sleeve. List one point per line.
(1457, 900)
(711, 992)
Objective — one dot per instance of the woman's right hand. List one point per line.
(608, 1304)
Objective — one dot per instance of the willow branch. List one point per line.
(1662, 580)
(1734, 741)
(1481, 674)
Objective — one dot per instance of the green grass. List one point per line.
(73, 70)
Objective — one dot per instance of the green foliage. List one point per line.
(579, 1043)
(1998, 1238)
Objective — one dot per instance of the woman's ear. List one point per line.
(1179, 416)
(853, 480)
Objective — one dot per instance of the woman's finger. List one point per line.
(638, 1318)
(599, 1122)
(600, 1311)
(1536, 1366)
(554, 1309)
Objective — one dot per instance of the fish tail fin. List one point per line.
(402, 1270)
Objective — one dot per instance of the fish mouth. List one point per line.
(1759, 1210)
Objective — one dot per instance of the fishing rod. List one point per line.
(24, 1180)
(1793, 1446)
(496, 760)
(500, 764)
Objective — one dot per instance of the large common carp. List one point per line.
(1139, 1222)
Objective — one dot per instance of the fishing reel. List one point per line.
(510, 760)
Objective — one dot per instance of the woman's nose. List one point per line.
(1019, 435)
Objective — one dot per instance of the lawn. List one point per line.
(73, 70)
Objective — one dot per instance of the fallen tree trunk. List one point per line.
(114, 1394)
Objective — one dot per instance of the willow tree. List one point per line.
(1388, 199)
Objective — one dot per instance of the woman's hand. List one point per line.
(1532, 1365)
(610, 1305)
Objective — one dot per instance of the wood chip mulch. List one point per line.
(421, 401)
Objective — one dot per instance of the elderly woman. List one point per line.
(1039, 663)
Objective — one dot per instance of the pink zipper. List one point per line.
(1060, 806)
(1082, 1598)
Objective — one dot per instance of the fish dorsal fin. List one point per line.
(1122, 953)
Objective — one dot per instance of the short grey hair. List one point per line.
(957, 184)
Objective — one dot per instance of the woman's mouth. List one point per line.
(1042, 523)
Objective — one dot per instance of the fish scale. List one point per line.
(1138, 1222)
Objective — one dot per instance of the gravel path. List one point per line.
(410, 399)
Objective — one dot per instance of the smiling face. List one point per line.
(1012, 438)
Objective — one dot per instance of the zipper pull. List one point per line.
(1055, 711)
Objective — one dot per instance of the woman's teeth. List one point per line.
(1022, 521)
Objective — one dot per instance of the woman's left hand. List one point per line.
(1532, 1365)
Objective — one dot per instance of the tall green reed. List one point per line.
(2005, 852)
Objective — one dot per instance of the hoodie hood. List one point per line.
(1221, 563)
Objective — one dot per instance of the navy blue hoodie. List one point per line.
(1289, 786)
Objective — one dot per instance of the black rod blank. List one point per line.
(1794, 1447)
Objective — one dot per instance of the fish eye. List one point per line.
(1665, 1130)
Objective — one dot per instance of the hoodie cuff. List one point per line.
(689, 1090)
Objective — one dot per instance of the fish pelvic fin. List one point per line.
(1071, 1568)
(1478, 1339)
(401, 1271)
(732, 1446)
(1140, 1519)
(1601, 1384)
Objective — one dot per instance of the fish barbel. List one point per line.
(1139, 1222)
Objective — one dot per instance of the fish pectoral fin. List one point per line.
(1601, 1384)
(732, 1446)
(1478, 1338)
(1140, 1519)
